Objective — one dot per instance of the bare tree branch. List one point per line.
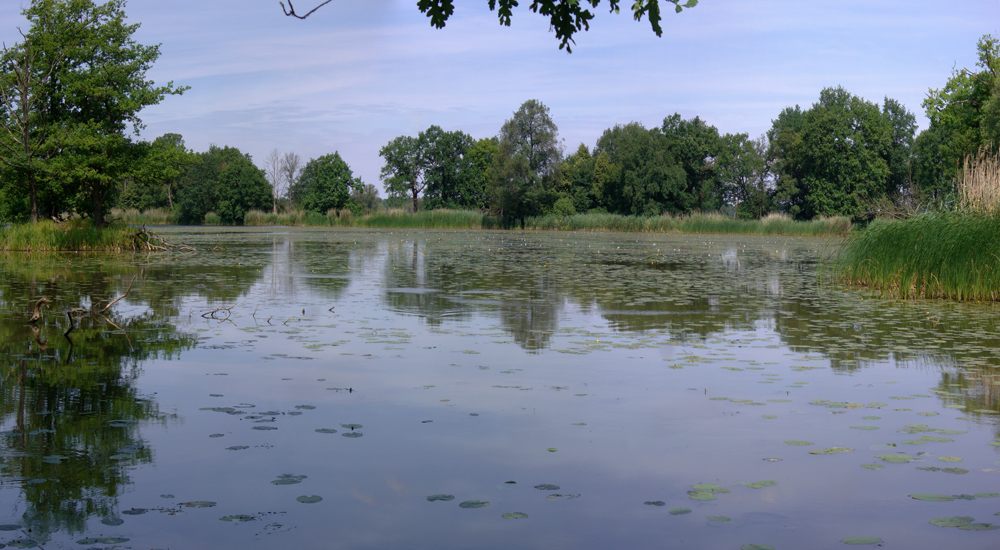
(291, 9)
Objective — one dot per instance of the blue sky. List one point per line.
(357, 74)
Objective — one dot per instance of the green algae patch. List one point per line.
(474, 504)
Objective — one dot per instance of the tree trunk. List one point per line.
(416, 203)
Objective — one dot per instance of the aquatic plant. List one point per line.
(937, 254)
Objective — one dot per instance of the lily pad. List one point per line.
(895, 459)
(515, 515)
(238, 518)
(679, 511)
(113, 522)
(798, 443)
(325, 431)
(435, 498)
(552, 449)
(864, 427)
(547, 487)
(10, 527)
(655, 503)
(264, 428)
(979, 527)
(950, 459)
(987, 495)
(705, 486)
(762, 484)
(756, 547)
(135, 511)
(873, 466)
(830, 451)
(237, 448)
(198, 504)
(720, 519)
(309, 499)
(861, 540)
(954, 521)
(22, 543)
(701, 495)
(288, 479)
(474, 504)
(932, 497)
(351, 426)
(352, 434)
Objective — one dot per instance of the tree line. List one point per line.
(72, 89)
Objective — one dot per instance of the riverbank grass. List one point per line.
(72, 235)
(943, 254)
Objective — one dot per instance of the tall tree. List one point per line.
(241, 187)
(642, 176)
(291, 167)
(327, 182)
(95, 94)
(743, 174)
(451, 177)
(528, 155)
(695, 144)
(273, 173)
(403, 171)
(566, 17)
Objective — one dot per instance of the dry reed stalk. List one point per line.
(979, 185)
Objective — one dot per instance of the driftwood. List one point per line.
(147, 240)
(212, 314)
(37, 315)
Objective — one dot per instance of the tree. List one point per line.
(366, 196)
(641, 176)
(327, 183)
(274, 175)
(403, 172)
(80, 84)
(242, 186)
(198, 187)
(532, 134)
(291, 167)
(743, 173)
(695, 144)
(965, 113)
(451, 176)
(152, 184)
(566, 17)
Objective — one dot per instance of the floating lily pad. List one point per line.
(288, 479)
(309, 499)
(762, 484)
(756, 547)
(198, 504)
(351, 426)
(237, 448)
(515, 515)
(135, 511)
(830, 451)
(979, 527)
(705, 486)
(864, 427)
(10, 527)
(873, 466)
(798, 443)
(720, 519)
(113, 522)
(305, 407)
(655, 503)
(325, 430)
(264, 428)
(954, 521)
(435, 498)
(701, 495)
(237, 518)
(352, 434)
(769, 416)
(552, 449)
(987, 495)
(99, 540)
(22, 543)
(895, 459)
(861, 540)
(547, 487)
(949, 459)
(474, 504)
(871, 418)
(932, 497)
(679, 511)
(217, 435)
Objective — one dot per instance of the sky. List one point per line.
(355, 75)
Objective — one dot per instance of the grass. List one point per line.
(933, 255)
(73, 235)
(153, 216)
(774, 224)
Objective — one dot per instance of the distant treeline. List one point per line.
(65, 152)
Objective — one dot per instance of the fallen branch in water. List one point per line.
(39, 313)
(147, 240)
(211, 314)
(122, 296)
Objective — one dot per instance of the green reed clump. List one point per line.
(152, 216)
(938, 254)
(75, 234)
(775, 224)
(425, 219)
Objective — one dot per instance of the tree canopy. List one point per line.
(566, 17)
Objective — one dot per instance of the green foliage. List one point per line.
(744, 175)
(403, 172)
(965, 116)
(841, 155)
(198, 186)
(454, 180)
(689, 223)
(325, 183)
(74, 235)
(938, 254)
(563, 207)
(242, 186)
(636, 172)
(566, 17)
(694, 144)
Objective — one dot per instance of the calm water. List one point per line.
(620, 391)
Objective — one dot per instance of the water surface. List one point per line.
(301, 388)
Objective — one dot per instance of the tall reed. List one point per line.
(979, 184)
(939, 254)
(774, 224)
(75, 234)
(152, 216)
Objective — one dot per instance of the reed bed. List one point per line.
(73, 235)
(153, 216)
(774, 224)
(934, 255)
(979, 184)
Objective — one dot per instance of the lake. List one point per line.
(316, 388)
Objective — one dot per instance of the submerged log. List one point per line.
(39, 313)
